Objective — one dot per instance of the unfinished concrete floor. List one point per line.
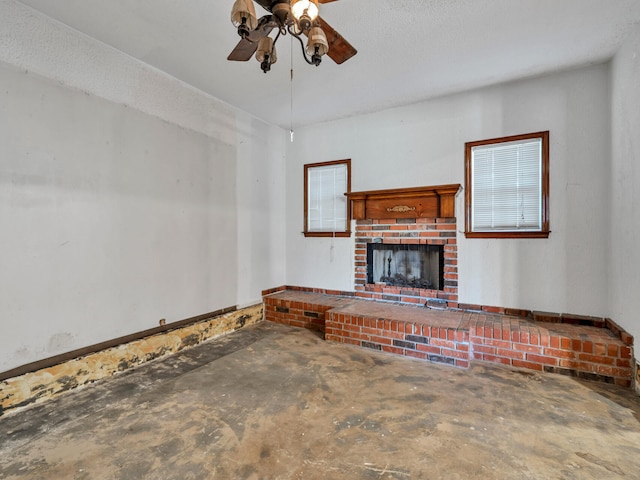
(275, 402)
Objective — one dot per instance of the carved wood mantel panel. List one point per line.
(420, 202)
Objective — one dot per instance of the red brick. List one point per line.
(396, 335)
(497, 332)
(510, 353)
(415, 300)
(462, 363)
(553, 352)
(626, 338)
(580, 366)
(623, 382)
(359, 336)
(623, 362)
(497, 343)
(438, 342)
(411, 353)
(490, 309)
(395, 350)
(600, 359)
(527, 348)
(609, 371)
(368, 331)
(529, 365)
(612, 350)
(381, 340)
(484, 349)
(600, 349)
(541, 359)
(587, 346)
(454, 354)
(555, 342)
(625, 352)
(494, 359)
(428, 349)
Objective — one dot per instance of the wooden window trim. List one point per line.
(544, 232)
(347, 232)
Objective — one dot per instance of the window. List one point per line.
(507, 187)
(326, 212)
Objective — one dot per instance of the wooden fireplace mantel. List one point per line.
(419, 202)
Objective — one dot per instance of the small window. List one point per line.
(507, 187)
(325, 204)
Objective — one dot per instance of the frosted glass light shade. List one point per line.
(318, 39)
(244, 9)
(265, 47)
(299, 7)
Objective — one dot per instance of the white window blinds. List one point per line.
(327, 204)
(507, 186)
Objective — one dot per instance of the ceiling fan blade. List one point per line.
(246, 47)
(266, 4)
(326, 1)
(339, 49)
(244, 51)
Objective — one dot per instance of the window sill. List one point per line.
(327, 234)
(544, 234)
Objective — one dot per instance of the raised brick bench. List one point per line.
(301, 309)
(437, 336)
(456, 337)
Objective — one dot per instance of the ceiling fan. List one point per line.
(296, 17)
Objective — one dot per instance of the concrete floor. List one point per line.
(274, 402)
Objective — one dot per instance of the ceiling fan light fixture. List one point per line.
(266, 53)
(317, 45)
(282, 11)
(243, 16)
(298, 18)
(305, 12)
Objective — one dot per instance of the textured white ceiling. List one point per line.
(408, 50)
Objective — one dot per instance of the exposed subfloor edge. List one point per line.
(23, 391)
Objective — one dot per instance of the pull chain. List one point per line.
(291, 99)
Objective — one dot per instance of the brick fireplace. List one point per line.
(407, 221)
(406, 253)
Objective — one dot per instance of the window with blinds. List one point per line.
(326, 207)
(507, 186)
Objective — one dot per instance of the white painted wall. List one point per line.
(125, 195)
(625, 187)
(423, 144)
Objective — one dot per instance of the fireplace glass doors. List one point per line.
(412, 266)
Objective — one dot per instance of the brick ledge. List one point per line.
(536, 316)
(457, 337)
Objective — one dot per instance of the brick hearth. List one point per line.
(457, 337)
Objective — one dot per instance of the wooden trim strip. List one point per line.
(82, 352)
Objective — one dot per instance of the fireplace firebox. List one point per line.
(412, 266)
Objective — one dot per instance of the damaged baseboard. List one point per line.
(48, 382)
